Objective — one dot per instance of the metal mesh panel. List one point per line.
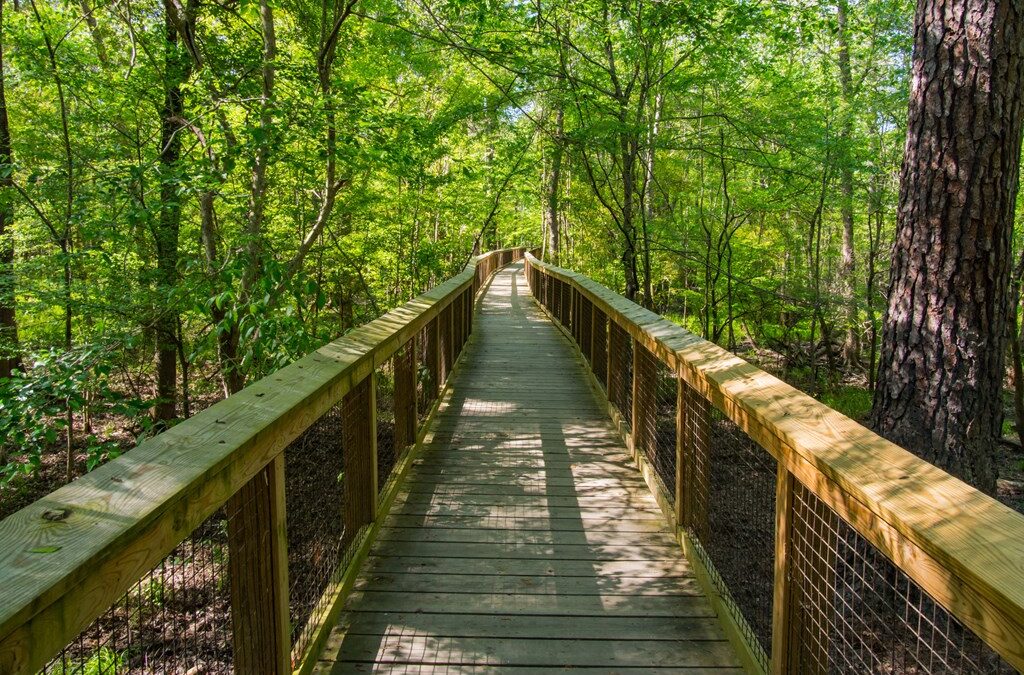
(565, 306)
(314, 495)
(599, 362)
(620, 373)
(730, 515)
(387, 449)
(654, 429)
(176, 618)
(426, 375)
(851, 610)
(444, 343)
(586, 318)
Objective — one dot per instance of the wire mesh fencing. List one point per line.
(620, 372)
(599, 360)
(175, 619)
(565, 304)
(586, 328)
(851, 610)
(426, 370)
(730, 515)
(654, 429)
(388, 451)
(314, 497)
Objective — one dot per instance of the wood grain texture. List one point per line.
(524, 536)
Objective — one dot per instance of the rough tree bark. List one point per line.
(942, 360)
(8, 317)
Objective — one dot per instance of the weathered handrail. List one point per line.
(71, 555)
(839, 490)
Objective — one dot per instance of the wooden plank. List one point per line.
(485, 652)
(258, 570)
(573, 523)
(645, 568)
(359, 426)
(332, 668)
(781, 601)
(460, 535)
(521, 584)
(516, 626)
(639, 607)
(470, 511)
(528, 551)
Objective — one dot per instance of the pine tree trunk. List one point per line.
(942, 360)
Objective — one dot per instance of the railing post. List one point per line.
(258, 568)
(781, 601)
(359, 444)
(680, 508)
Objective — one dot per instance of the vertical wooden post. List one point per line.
(781, 602)
(681, 451)
(258, 568)
(359, 443)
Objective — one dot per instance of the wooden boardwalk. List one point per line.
(525, 539)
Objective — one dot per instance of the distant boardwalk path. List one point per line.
(525, 540)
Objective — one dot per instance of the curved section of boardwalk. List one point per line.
(525, 539)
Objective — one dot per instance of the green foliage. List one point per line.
(701, 145)
(34, 407)
(103, 661)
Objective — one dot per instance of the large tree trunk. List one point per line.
(851, 345)
(8, 318)
(942, 358)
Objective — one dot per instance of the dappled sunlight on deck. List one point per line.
(524, 536)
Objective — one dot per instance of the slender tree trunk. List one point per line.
(874, 243)
(629, 253)
(1016, 341)
(8, 316)
(648, 200)
(166, 229)
(554, 185)
(851, 345)
(943, 339)
(94, 30)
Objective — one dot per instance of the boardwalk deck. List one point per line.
(525, 539)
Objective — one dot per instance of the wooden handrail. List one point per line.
(960, 545)
(69, 556)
